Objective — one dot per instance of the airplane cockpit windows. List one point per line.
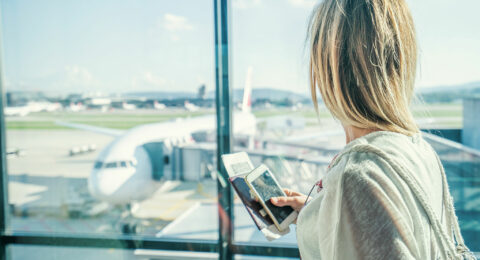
(98, 165)
(111, 165)
(133, 162)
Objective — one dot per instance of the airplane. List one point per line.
(128, 106)
(17, 111)
(158, 106)
(132, 167)
(31, 107)
(190, 107)
(75, 107)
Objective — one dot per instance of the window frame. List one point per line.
(225, 245)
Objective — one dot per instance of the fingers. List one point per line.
(294, 202)
(291, 193)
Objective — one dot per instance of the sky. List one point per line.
(158, 45)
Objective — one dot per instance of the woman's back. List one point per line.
(382, 197)
(367, 210)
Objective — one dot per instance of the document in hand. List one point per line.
(238, 165)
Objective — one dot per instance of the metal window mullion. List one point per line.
(3, 152)
(135, 242)
(224, 128)
(118, 242)
(265, 250)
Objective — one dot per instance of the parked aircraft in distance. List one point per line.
(31, 107)
(158, 106)
(190, 107)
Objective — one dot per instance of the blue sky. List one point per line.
(145, 45)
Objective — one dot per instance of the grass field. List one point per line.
(117, 120)
(129, 119)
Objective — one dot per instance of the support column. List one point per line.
(224, 128)
(3, 159)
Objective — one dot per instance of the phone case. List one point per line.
(253, 207)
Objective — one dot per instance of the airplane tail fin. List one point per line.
(247, 92)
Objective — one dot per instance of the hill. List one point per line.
(447, 94)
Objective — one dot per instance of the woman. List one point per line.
(384, 196)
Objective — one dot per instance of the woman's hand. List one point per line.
(294, 199)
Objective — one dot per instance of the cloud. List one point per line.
(175, 23)
(303, 3)
(246, 4)
(148, 80)
(75, 76)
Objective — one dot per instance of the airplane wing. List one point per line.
(95, 129)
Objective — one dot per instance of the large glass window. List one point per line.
(270, 54)
(111, 131)
(270, 57)
(109, 116)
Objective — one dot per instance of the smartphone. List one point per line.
(263, 183)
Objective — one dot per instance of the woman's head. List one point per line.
(363, 58)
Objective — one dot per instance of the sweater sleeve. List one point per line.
(374, 221)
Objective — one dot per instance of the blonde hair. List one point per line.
(363, 57)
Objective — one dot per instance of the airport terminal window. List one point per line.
(110, 118)
(93, 91)
(270, 55)
(269, 58)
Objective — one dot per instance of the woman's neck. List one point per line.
(353, 132)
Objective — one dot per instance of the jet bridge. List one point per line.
(296, 166)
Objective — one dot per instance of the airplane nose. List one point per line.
(100, 186)
(93, 185)
(105, 184)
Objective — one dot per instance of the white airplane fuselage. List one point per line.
(123, 172)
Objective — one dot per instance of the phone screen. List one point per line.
(267, 188)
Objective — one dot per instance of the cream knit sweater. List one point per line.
(367, 211)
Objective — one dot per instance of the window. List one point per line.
(98, 165)
(268, 53)
(92, 87)
(111, 165)
(99, 87)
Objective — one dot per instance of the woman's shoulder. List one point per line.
(374, 154)
(355, 164)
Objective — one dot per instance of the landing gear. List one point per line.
(128, 224)
(129, 228)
